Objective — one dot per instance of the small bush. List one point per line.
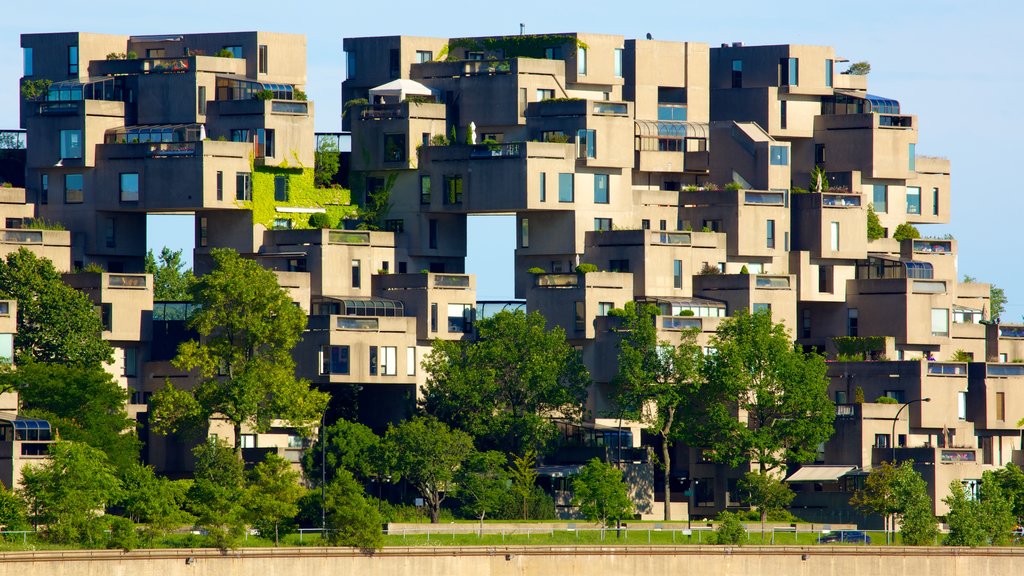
(733, 186)
(123, 534)
(886, 400)
(744, 270)
(906, 231)
(224, 53)
(319, 220)
(709, 270)
(730, 530)
(536, 270)
(586, 268)
(438, 140)
(263, 95)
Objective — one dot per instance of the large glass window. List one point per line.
(72, 59)
(388, 360)
(280, 188)
(851, 322)
(543, 186)
(913, 200)
(432, 234)
(565, 187)
(912, 162)
(770, 233)
(880, 199)
(602, 224)
(618, 62)
(424, 189)
(580, 310)
(130, 187)
(410, 361)
(350, 65)
(453, 190)
(600, 188)
(201, 100)
(263, 59)
(737, 73)
(789, 69)
(236, 51)
(73, 189)
(581, 60)
(524, 235)
(460, 318)
(70, 144)
(243, 186)
(834, 236)
(44, 189)
(677, 274)
(424, 56)
(779, 155)
(27, 71)
(394, 147)
(357, 275)
(940, 322)
(586, 143)
(935, 201)
(829, 68)
(670, 112)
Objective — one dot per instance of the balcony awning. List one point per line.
(819, 473)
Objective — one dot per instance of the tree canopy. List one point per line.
(216, 494)
(600, 494)
(351, 520)
(56, 323)
(171, 280)
(982, 521)
(248, 326)
(504, 387)
(899, 494)
(350, 446)
(781, 390)
(273, 494)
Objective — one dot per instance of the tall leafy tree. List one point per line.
(777, 407)
(69, 493)
(216, 494)
(982, 521)
(326, 161)
(428, 454)
(247, 326)
(351, 520)
(158, 502)
(56, 323)
(899, 495)
(84, 404)
(350, 445)
(505, 387)
(273, 495)
(1011, 480)
(600, 494)
(482, 484)
(766, 492)
(172, 281)
(657, 383)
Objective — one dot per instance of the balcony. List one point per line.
(840, 200)
(679, 323)
(557, 280)
(429, 281)
(254, 107)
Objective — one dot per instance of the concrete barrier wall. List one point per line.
(524, 561)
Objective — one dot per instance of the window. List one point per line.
(789, 70)
(373, 360)
(618, 63)
(388, 360)
(834, 236)
(433, 317)
(44, 189)
(396, 225)
(618, 265)
(356, 274)
(203, 222)
(602, 224)
(554, 53)
(581, 61)
(783, 114)
(394, 147)
(452, 190)
(677, 274)
(72, 59)
(130, 187)
(424, 56)
(243, 186)
(851, 322)
(155, 52)
(410, 361)
(819, 153)
(645, 224)
(663, 225)
(524, 233)
(474, 55)
(545, 94)
(264, 143)
(580, 315)
(565, 187)
(70, 144)
(27, 70)
(779, 155)
(424, 189)
(935, 201)
(912, 152)
(770, 233)
(880, 199)
(600, 188)
(220, 185)
(282, 224)
(671, 112)
(881, 440)
(247, 441)
(73, 185)
(1000, 406)
(586, 143)
(961, 405)
(432, 235)
(350, 65)
(543, 186)
(131, 362)
(841, 397)
(761, 307)
(829, 69)
(280, 188)
(913, 200)
(737, 73)
(603, 308)
(940, 322)
(201, 100)
(805, 327)
(335, 360)
(460, 318)
(263, 58)
(110, 232)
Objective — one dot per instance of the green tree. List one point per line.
(964, 518)
(600, 494)
(522, 472)
(326, 160)
(171, 280)
(1011, 480)
(505, 387)
(350, 445)
(482, 483)
(69, 493)
(12, 510)
(84, 403)
(657, 384)
(351, 519)
(157, 502)
(248, 326)
(730, 529)
(428, 454)
(273, 495)
(875, 230)
(377, 204)
(899, 494)
(56, 323)
(124, 534)
(765, 492)
(782, 391)
(216, 494)
(858, 69)
(906, 231)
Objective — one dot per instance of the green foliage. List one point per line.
(586, 268)
(299, 95)
(504, 387)
(765, 492)
(858, 395)
(858, 347)
(858, 69)
(899, 493)
(272, 495)
(375, 210)
(1011, 481)
(320, 220)
(600, 494)
(536, 270)
(819, 180)
(906, 231)
(123, 534)
(129, 55)
(744, 270)
(158, 502)
(709, 270)
(216, 495)
(350, 446)
(326, 161)
(997, 302)
(351, 520)
(224, 53)
(756, 369)
(68, 493)
(85, 404)
(556, 137)
(56, 323)
(42, 224)
(439, 140)
(730, 530)
(523, 474)
(985, 521)
(35, 89)
(482, 483)
(171, 280)
(524, 46)
(961, 355)
(248, 327)
(875, 229)
(353, 103)
(12, 510)
(302, 193)
(886, 400)
(733, 186)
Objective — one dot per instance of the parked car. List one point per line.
(845, 536)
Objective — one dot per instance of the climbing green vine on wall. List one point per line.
(302, 193)
(533, 46)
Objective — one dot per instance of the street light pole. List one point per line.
(896, 419)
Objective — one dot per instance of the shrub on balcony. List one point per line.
(42, 224)
(353, 102)
(858, 69)
(299, 95)
(263, 95)
(709, 270)
(906, 231)
(886, 400)
(733, 186)
(319, 220)
(536, 270)
(875, 230)
(439, 140)
(224, 53)
(686, 312)
(744, 270)
(586, 268)
(35, 89)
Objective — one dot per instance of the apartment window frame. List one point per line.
(543, 186)
(432, 233)
(880, 198)
(357, 273)
(201, 100)
(770, 233)
(110, 232)
(1000, 406)
(453, 190)
(617, 62)
(829, 72)
(263, 53)
(130, 362)
(586, 143)
(73, 59)
(350, 64)
(72, 144)
(677, 274)
(852, 321)
(27, 64)
(603, 308)
(410, 360)
(460, 318)
(778, 155)
(433, 317)
(834, 235)
(388, 360)
(545, 94)
(580, 315)
(74, 188)
(783, 114)
(395, 146)
(336, 359)
(601, 185)
(524, 233)
(220, 185)
(204, 224)
(737, 73)
(129, 185)
(602, 224)
(935, 201)
(44, 188)
(914, 200)
(789, 72)
(940, 322)
(424, 56)
(581, 61)
(282, 188)
(236, 51)
(566, 187)
(243, 186)
(912, 157)
(424, 189)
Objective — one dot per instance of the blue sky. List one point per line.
(952, 63)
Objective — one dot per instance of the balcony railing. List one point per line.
(770, 198)
(674, 238)
(891, 121)
(840, 200)
(506, 150)
(451, 281)
(289, 107)
(1004, 370)
(772, 282)
(557, 280)
(933, 246)
(23, 236)
(680, 323)
(346, 237)
(171, 149)
(384, 112)
(126, 281)
(350, 323)
(1011, 331)
(944, 369)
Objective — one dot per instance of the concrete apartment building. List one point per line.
(681, 171)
